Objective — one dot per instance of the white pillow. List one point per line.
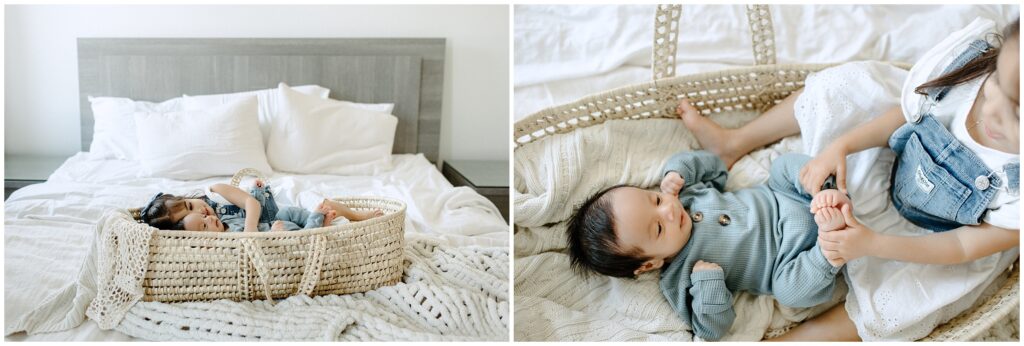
(312, 135)
(113, 133)
(388, 108)
(201, 143)
(267, 98)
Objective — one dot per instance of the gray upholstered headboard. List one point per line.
(406, 72)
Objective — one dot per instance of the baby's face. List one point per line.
(203, 223)
(654, 223)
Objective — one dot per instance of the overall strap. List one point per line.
(974, 50)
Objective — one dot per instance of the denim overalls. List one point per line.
(268, 206)
(937, 182)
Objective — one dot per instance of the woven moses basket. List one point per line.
(723, 92)
(348, 258)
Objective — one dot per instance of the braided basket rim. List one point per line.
(541, 119)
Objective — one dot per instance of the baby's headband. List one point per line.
(145, 210)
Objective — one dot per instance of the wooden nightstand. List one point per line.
(24, 170)
(488, 178)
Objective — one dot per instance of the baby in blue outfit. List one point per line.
(710, 243)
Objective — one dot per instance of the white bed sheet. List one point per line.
(49, 227)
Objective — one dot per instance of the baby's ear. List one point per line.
(650, 265)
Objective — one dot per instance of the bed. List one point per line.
(564, 53)
(49, 227)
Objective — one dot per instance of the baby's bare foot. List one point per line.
(829, 198)
(829, 219)
(329, 217)
(323, 208)
(711, 136)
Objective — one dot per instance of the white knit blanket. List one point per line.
(554, 304)
(446, 293)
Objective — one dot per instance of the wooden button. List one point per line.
(724, 220)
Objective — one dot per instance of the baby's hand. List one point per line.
(277, 226)
(705, 266)
(672, 183)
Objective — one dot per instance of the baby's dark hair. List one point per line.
(157, 212)
(982, 65)
(593, 245)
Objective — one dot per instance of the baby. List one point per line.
(226, 208)
(710, 243)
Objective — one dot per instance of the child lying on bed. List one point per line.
(219, 211)
(710, 243)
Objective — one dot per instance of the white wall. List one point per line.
(41, 113)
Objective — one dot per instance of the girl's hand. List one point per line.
(705, 266)
(830, 161)
(853, 242)
(672, 183)
(243, 200)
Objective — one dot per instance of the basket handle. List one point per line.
(314, 263)
(246, 172)
(255, 256)
(666, 38)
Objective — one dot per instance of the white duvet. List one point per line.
(49, 227)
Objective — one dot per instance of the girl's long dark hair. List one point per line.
(983, 65)
(158, 212)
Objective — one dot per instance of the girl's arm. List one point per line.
(242, 199)
(874, 133)
(960, 245)
(832, 160)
